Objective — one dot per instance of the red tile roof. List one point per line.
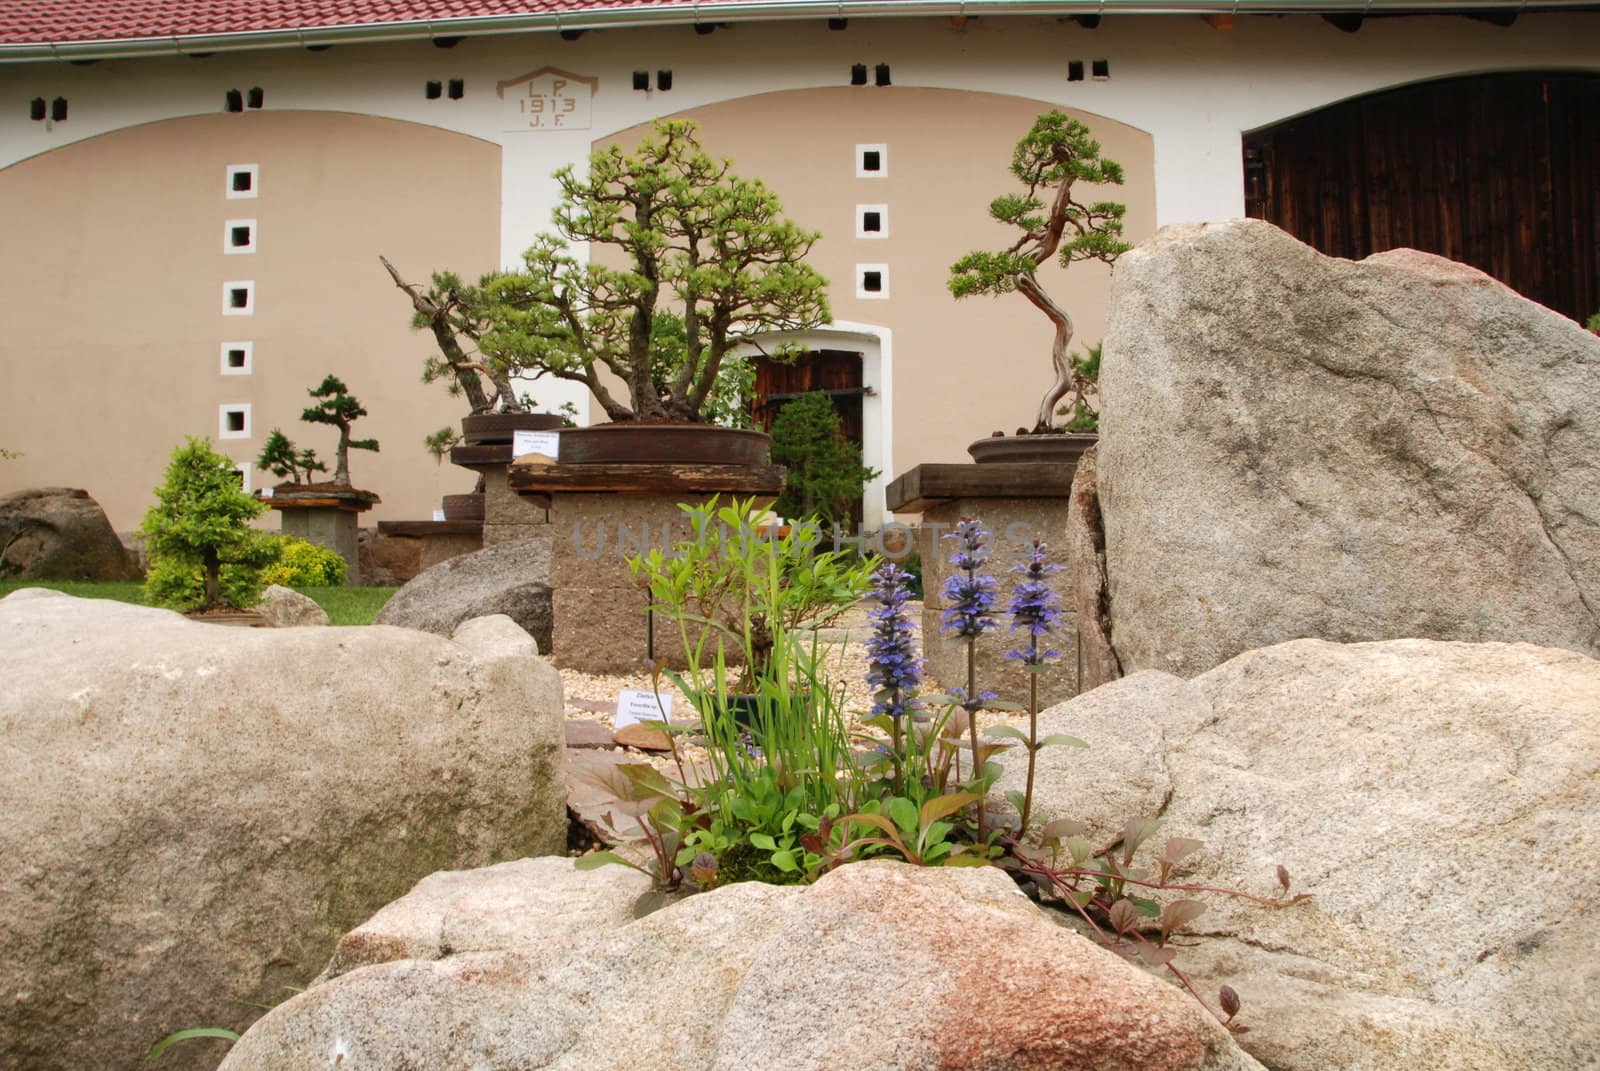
(40, 22)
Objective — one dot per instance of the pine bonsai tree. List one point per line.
(1049, 160)
(201, 521)
(826, 476)
(700, 244)
(338, 407)
(278, 455)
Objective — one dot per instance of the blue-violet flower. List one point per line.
(1034, 605)
(969, 595)
(893, 668)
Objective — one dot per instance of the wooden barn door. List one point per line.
(1498, 171)
(835, 372)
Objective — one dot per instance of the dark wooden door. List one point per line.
(835, 372)
(1498, 171)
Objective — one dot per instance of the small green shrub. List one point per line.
(304, 565)
(1594, 323)
(826, 476)
(200, 524)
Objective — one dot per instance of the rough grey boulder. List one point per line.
(286, 608)
(1438, 801)
(59, 533)
(1293, 445)
(194, 814)
(878, 965)
(507, 578)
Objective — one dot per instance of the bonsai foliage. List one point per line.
(700, 243)
(1049, 161)
(200, 522)
(1594, 323)
(279, 456)
(826, 476)
(336, 406)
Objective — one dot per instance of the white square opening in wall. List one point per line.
(233, 421)
(239, 298)
(243, 180)
(239, 236)
(243, 469)
(872, 221)
(872, 281)
(872, 161)
(236, 358)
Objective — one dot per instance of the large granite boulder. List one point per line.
(283, 607)
(1437, 800)
(194, 814)
(507, 578)
(1294, 445)
(878, 965)
(59, 533)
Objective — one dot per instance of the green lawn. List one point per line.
(345, 606)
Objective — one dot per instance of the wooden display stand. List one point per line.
(506, 514)
(1017, 502)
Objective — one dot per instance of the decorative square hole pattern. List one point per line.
(239, 236)
(872, 281)
(238, 298)
(872, 161)
(236, 358)
(243, 180)
(872, 221)
(233, 421)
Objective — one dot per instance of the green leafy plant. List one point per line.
(735, 585)
(338, 408)
(302, 564)
(200, 523)
(699, 243)
(1594, 323)
(1081, 413)
(1053, 157)
(279, 456)
(826, 477)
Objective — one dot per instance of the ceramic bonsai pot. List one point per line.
(493, 429)
(1062, 446)
(631, 442)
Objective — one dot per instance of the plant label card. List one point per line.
(634, 706)
(544, 446)
(438, 514)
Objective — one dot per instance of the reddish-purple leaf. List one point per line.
(1229, 1000)
(1124, 916)
(1178, 914)
(1283, 878)
(1178, 847)
(1156, 957)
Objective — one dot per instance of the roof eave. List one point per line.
(695, 11)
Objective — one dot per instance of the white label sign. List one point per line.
(438, 514)
(545, 444)
(546, 100)
(634, 706)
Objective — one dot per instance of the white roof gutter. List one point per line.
(695, 11)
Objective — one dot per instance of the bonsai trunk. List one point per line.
(213, 568)
(341, 467)
(1029, 287)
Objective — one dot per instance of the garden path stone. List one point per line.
(878, 965)
(195, 814)
(508, 578)
(587, 734)
(1295, 445)
(60, 533)
(1438, 802)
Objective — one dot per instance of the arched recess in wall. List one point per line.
(117, 252)
(1500, 171)
(959, 370)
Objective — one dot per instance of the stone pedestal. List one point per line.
(507, 515)
(326, 516)
(405, 548)
(1017, 502)
(600, 516)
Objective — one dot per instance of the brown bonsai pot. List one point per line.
(493, 429)
(630, 442)
(463, 507)
(1054, 447)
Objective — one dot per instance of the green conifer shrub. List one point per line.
(826, 476)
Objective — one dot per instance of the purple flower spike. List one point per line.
(893, 668)
(1033, 605)
(970, 597)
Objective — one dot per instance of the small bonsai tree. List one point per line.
(201, 521)
(338, 407)
(1049, 161)
(699, 243)
(1594, 323)
(278, 455)
(826, 476)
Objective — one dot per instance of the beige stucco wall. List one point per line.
(111, 271)
(960, 370)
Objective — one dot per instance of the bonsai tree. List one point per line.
(279, 456)
(699, 243)
(1049, 161)
(826, 476)
(338, 407)
(201, 521)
